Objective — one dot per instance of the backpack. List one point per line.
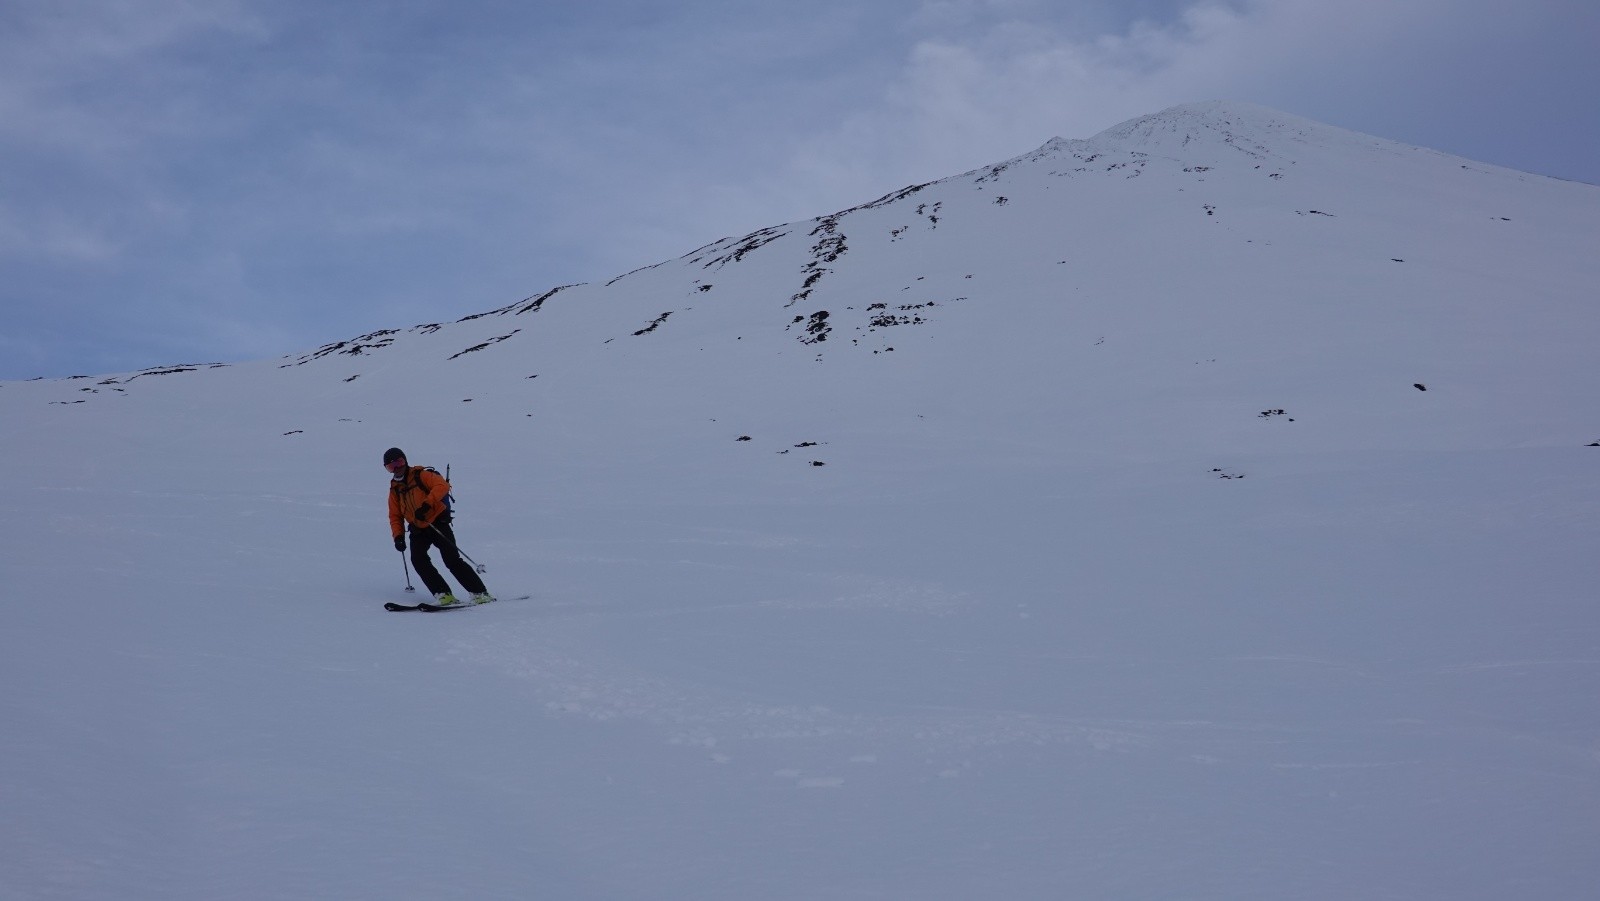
(449, 498)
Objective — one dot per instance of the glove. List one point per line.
(423, 511)
(399, 542)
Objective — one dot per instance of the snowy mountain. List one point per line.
(1205, 509)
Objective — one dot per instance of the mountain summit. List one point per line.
(1186, 131)
(1203, 509)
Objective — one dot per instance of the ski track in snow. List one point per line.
(567, 679)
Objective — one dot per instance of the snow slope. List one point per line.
(1205, 509)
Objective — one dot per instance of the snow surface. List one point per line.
(1137, 564)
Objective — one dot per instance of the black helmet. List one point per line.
(393, 454)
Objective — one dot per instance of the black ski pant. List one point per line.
(441, 534)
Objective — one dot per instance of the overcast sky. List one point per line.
(187, 181)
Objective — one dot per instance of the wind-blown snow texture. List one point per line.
(1203, 510)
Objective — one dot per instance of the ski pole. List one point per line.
(407, 568)
(457, 548)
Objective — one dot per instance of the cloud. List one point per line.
(1015, 74)
(57, 238)
(95, 79)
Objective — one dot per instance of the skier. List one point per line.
(417, 495)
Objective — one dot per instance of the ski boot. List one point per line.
(445, 599)
(482, 597)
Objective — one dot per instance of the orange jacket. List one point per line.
(417, 486)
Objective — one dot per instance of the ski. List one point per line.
(437, 608)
